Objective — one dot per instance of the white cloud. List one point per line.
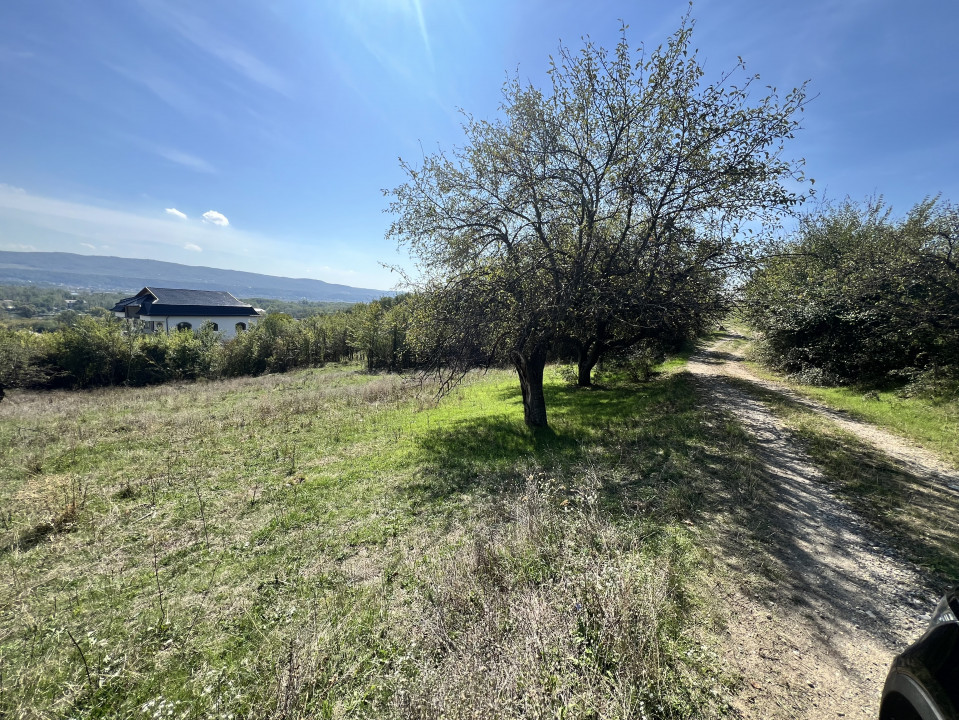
(19, 247)
(175, 213)
(193, 247)
(88, 246)
(212, 216)
(53, 220)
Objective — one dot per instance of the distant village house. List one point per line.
(169, 309)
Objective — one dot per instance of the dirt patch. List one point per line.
(845, 602)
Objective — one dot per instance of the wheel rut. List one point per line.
(845, 600)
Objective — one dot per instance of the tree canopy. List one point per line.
(859, 296)
(601, 212)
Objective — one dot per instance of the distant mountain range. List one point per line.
(100, 273)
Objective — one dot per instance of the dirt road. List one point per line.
(846, 600)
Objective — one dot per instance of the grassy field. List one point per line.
(332, 544)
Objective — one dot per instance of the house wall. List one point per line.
(226, 324)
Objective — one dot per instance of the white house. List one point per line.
(169, 309)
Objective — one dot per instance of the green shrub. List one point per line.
(859, 297)
(23, 359)
(192, 355)
(94, 352)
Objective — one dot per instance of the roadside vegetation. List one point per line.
(328, 543)
(919, 515)
(858, 297)
(860, 311)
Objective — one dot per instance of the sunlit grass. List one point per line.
(294, 545)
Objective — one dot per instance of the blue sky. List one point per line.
(259, 135)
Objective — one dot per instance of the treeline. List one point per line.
(28, 301)
(861, 297)
(45, 309)
(99, 351)
(298, 309)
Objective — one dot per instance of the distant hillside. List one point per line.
(98, 273)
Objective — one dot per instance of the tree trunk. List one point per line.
(530, 370)
(585, 371)
(588, 357)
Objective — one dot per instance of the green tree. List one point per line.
(23, 359)
(856, 295)
(570, 211)
(661, 301)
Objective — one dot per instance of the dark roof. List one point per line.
(173, 296)
(135, 300)
(178, 301)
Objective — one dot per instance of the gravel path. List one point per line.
(848, 602)
(915, 459)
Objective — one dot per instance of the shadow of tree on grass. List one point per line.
(651, 445)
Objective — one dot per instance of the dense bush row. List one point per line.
(860, 297)
(96, 351)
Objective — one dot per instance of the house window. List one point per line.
(184, 326)
(240, 327)
(214, 326)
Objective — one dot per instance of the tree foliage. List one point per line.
(858, 296)
(601, 212)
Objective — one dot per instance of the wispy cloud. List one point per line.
(9, 54)
(375, 27)
(88, 246)
(170, 92)
(185, 159)
(175, 213)
(193, 247)
(417, 8)
(57, 221)
(209, 38)
(215, 218)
